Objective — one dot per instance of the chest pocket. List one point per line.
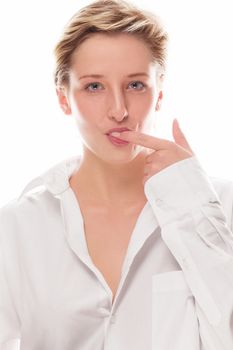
(174, 320)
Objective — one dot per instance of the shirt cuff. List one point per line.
(178, 189)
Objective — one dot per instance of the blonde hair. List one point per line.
(109, 17)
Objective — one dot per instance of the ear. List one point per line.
(63, 100)
(159, 100)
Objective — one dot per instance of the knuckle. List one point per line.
(155, 166)
(141, 138)
(159, 155)
(149, 159)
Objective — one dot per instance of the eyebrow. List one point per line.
(102, 76)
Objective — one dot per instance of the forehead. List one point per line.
(112, 51)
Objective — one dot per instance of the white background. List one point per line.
(35, 134)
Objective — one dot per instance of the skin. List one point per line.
(116, 175)
(165, 152)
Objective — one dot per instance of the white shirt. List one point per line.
(176, 287)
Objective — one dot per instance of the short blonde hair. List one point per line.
(109, 17)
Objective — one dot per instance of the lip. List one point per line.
(117, 130)
(116, 141)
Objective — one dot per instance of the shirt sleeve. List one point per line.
(9, 321)
(194, 227)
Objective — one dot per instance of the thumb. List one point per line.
(179, 136)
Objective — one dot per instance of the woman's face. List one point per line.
(113, 99)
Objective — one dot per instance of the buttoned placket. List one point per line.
(57, 183)
(74, 227)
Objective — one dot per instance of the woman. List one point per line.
(130, 245)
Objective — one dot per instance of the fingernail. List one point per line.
(116, 134)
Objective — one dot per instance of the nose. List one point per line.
(117, 109)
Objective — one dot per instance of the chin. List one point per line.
(122, 157)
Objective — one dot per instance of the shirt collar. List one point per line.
(56, 178)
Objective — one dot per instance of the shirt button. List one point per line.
(104, 312)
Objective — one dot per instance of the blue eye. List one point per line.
(136, 82)
(87, 87)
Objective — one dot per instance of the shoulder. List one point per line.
(30, 210)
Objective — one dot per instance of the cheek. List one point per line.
(147, 125)
(143, 104)
(86, 111)
(145, 113)
(84, 102)
(85, 108)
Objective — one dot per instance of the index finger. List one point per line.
(145, 140)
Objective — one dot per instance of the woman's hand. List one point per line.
(164, 152)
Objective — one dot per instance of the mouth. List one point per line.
(115, 140)
(113, 137)
(112, 131)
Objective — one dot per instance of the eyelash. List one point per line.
(93, 91)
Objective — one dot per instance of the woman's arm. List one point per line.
(194, 227)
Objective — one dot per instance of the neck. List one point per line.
(107, 183)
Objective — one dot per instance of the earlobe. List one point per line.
(63, 100)
(158, 105)
(159, 101)
(66, 108)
